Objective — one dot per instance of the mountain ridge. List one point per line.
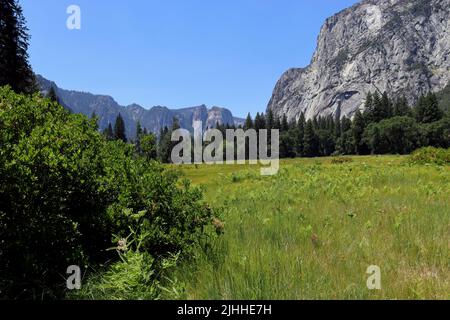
(153, 119)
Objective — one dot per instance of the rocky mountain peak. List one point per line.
(398, 46)
(153, 119)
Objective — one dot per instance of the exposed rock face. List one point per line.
(154, 119)
(398, 46)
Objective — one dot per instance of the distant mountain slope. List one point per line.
(154, 119)
(398, 46)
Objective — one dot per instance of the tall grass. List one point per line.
(312, 231)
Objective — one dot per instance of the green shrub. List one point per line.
(398, 135)
(133, 277)
(436, 134)
(53, 214)
(430, 155)
(65, 190)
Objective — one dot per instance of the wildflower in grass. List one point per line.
(219, 226)
(122, 245)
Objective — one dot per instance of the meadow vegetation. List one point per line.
(312, 231)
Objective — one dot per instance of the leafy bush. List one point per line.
(398, 135)
(436, 134)
(65, 190)
(430, 155)
(53, 212)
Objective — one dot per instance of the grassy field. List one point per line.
(312, 231)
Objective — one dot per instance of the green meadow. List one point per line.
(312, 231)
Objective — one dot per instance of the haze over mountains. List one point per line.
(154, 119)
(398, 46)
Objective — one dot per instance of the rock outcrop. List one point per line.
(398, 46)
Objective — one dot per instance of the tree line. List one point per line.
(386, 126)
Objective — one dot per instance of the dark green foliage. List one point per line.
(248, 122)
(164, 146)
(52, 95)
(358, 127)
(384, 127)
(427, 109)
(260, 121)
(119, 129)
(377, 107)
(65, 191)
(345, 144)
(398, 135)
(310, 141)
(287, 145)
(436, 134)
(53, 209)
(444, 99)
(299, 134)
(326, 142)
(148, 146)
(401, 108)
(284, 126)
(137, 142)
(108, 133)
(270, 120)
(14, 67)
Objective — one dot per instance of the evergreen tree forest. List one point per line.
(15, 69)
(388, 125)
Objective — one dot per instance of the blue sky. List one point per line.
(176, 53)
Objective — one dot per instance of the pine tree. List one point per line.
(248, 122)
(270, 120)
(300, 135)
(386, 106)
(94, 118)
(164, 145)
(175, 124)
(109, 133)
(346, 124)
(358, 127)
(15, 69)
(139, 134)
(119, 129)
(337, 129)
(401, 107)
(148, 146)
(381, 107)
(368, 107)
(52, 95)
(277, 123)
(260, 122)
(310, 143)
(427, 109)
(284, 123)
